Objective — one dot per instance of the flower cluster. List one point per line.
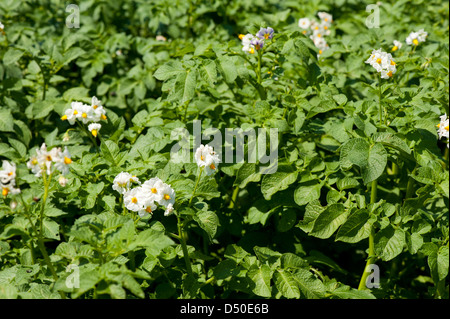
(317, 30)
(207, 158)
(414, 38)
(86, 114)
(383, 63)
(443, 128)
(8, 179)
(252, 43)
(48, 161)
(144, 198)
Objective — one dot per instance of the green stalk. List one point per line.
(379, 101)
(196, 185)
(41, 244)
(371, 258)
(259, 67)
(234, 197)
(184, 247)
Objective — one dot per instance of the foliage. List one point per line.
(360, 164)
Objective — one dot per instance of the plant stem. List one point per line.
(41, 244)
(259, 67)
(379, 101)
(196, 185)
(184, 247)
(233, 197)
(371, 258)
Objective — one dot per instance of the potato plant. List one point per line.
(325, 176)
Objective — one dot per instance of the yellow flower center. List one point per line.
(10, 173)
(392, 62)
(95, 106)
(154, 190)
(67, 160)
(320, 51)
(389, 73)
(395, 48)
(319, 35)
(212, 166)
(202, 158)
(251, 51)
(34, 161)
(103, 117)
(446, 128)
(5, 191)
(166, 196)
(75, 112)
(379, 61)
(64, 117)
(134, 200)
(148, 209)
(257, 47)
(415, 41)
(49, 158)
(304, 31)
(94, 132)
(84, 115)
(266, 36)
(241, 36)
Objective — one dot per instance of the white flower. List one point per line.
(122, 182)
(98, 110)
(94, 128)
(2, 27)
(325, 17)
(247, 45)
(8, 172)
(416, 37)
(71, 114)
(33, 165)
(207, 158)
(148, 206)
(133, 199)
(168, 195)
(397, 45)
(443, 127)
(154, 187)
(169, 210)
(62, 160)
(304, 23)
(62, 181)
(9, 188)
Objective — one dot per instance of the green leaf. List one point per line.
(169, 70)
(389, 242)
(50, 229)
(356, 228)
(372, 159)
(208, 221)
(247, 173)
(391, 140)
(310, 286)
(93, 191)
(286, 284)
(329, 221)
(307, 193)
(12, 55)
(110, 151)
(6, 121)
(260, 276)
(278, 181)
